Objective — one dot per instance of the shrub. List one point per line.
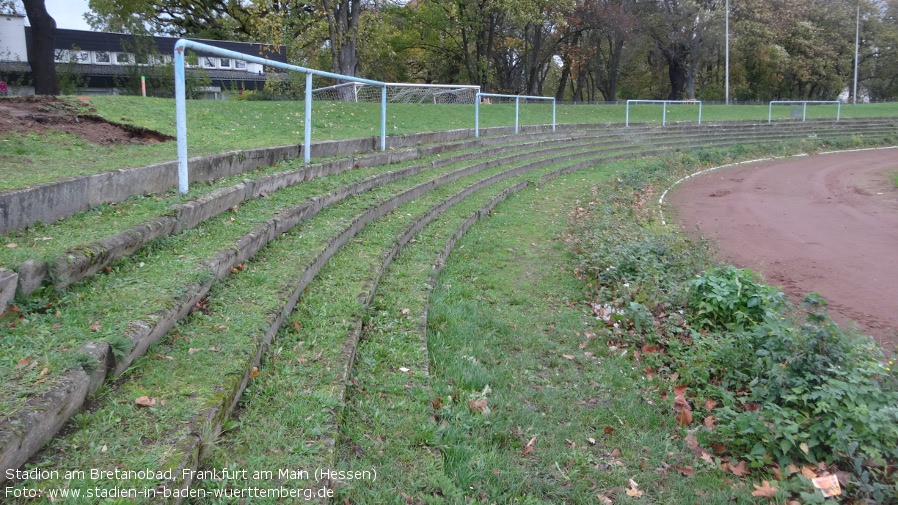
(729, 298)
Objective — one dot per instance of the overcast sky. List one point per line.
(68, 13)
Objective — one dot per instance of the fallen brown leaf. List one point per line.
(739, 470)
(684, 410)
(709, 422)
(808, 472)
(254, 373)
(145, 401)
(529, 447)
(710, 404)
(634, 491)
(685, 470)
(477, 406)
(765, 490)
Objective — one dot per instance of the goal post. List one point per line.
(664, 104)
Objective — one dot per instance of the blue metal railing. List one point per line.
(664, 109)
(181, 101)
(517, 108)
(804, 110)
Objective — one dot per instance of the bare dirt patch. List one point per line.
(37, 114)
(826, 223)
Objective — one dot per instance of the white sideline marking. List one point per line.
(728, 165)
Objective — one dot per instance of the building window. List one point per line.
(141, 59)
(208, 62)
(102, 57)
(81, 56)
(62, 56)
(240, 64)
(122, 58)
(224, 62)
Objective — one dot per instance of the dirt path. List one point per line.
(826, 223)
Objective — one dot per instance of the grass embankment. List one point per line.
(179, 376)
(102, 308)
(220, 126)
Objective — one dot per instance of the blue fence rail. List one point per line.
(181, 100)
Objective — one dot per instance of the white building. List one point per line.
(101, 57)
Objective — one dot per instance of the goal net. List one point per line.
(397, 93)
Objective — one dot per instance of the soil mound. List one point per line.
(37, 114)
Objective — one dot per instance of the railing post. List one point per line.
(664, 113)
(700, 113)
(838, 111)
(553, 114)
(181, 118)
(477, 115)
(627, 120)
(307, 139)
(517, 106)
(804, 112)
(383, 118)
(770, 112)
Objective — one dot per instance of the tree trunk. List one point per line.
(343, 29)
(676, 71)
(43, 48)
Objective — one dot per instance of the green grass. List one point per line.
(508, 325)
(233, 124)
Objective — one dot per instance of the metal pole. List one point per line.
(307, 140)
(727, 53)
(838, 111)
(699, 113)
(477, 116)
(517, 106)
(383, 118)
(770, 112)
(804, 112)
(181, 118)
(664, 114)
(553, 114)
(857, 38)
(627, 121)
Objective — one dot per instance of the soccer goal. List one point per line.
(799, 108)
(664, 104)
(398, 93)
(517, 100)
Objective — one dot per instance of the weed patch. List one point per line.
(777, 391)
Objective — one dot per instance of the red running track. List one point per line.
(825, 223)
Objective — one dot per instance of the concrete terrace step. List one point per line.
(250, 345)
(143, 332)
(347, 348)
(82, 261)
